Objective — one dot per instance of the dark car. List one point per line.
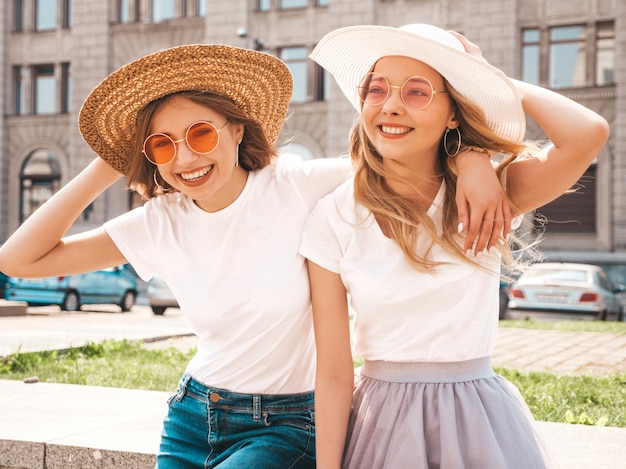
(117, 285)
(583, 290)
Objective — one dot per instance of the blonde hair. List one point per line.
(255, 151)
(400, 218)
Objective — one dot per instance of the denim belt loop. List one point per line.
(182, 389)
(256, 407)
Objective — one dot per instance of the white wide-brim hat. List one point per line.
(350, 53)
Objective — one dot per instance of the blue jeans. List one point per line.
(215, 428)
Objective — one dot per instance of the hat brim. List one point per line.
(349, 53)
(260, 84)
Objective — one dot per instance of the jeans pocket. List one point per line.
(304, 420)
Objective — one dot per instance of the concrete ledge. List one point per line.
(12, 308)
(63, 426)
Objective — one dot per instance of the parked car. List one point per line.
(3, 283)
(116, 285)
(160, 297)
(582, 289)
(504, 299)
(613, 264)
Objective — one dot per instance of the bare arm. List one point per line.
(483, 208)
(335, 375)
(38, 249)
(577, 135)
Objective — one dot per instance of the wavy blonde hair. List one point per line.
(400, 217)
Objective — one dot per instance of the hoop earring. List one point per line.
(159, 186)
(458, 145)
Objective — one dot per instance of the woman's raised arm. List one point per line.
(577, 135)
(38, 249)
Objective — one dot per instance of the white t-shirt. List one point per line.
(401, 314)
(237, 273)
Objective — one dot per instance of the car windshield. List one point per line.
(561, 275)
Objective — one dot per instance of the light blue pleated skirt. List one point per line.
(440, 416)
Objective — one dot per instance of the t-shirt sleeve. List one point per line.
(314, 179)
(132, 235)
(320, 241)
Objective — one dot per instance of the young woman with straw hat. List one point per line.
(193, 129)
(384, 246)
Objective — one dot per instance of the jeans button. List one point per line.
(214, 397)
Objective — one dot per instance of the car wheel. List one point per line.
(620, 314)
(158, 310)
(128, 301)
(602, 316)
(71, 302)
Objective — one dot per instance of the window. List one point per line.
(530, 56)
(163, 10)
(202, 7)
(289, 4)
(39, 180)
(605, 54)
(569, 56)
(66, 88)
(298, 149)
(128, 11)
(322, 83)
(41, 89)
(67, 14)
(296, 60)
(322, 3)
(44, 89)
(19, 91)
(574, 212)
(18, 16)
(264, 5)
(45, 15)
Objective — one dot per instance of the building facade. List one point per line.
(55, 51)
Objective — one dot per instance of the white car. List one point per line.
(582, 289)
(160, 297)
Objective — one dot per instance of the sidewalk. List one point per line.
(556, 352)
(49, 426)
(560, 352)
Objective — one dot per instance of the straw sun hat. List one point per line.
(257, 82)
(350, 53)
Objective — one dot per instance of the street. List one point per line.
(49, 328)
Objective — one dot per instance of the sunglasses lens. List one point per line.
(159, 148)
(202, 137)
(373, 89)
(417, 92)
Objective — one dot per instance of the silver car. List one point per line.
(160, 297)
(582, 289)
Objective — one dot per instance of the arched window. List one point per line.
(298, 149)
(39, 179)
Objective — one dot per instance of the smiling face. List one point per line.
(212, 180)
(402, 134)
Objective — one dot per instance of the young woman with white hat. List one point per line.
(385, 248)
(193, 129)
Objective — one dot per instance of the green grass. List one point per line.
(579, 399)
(610, 327)
(119, 364)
